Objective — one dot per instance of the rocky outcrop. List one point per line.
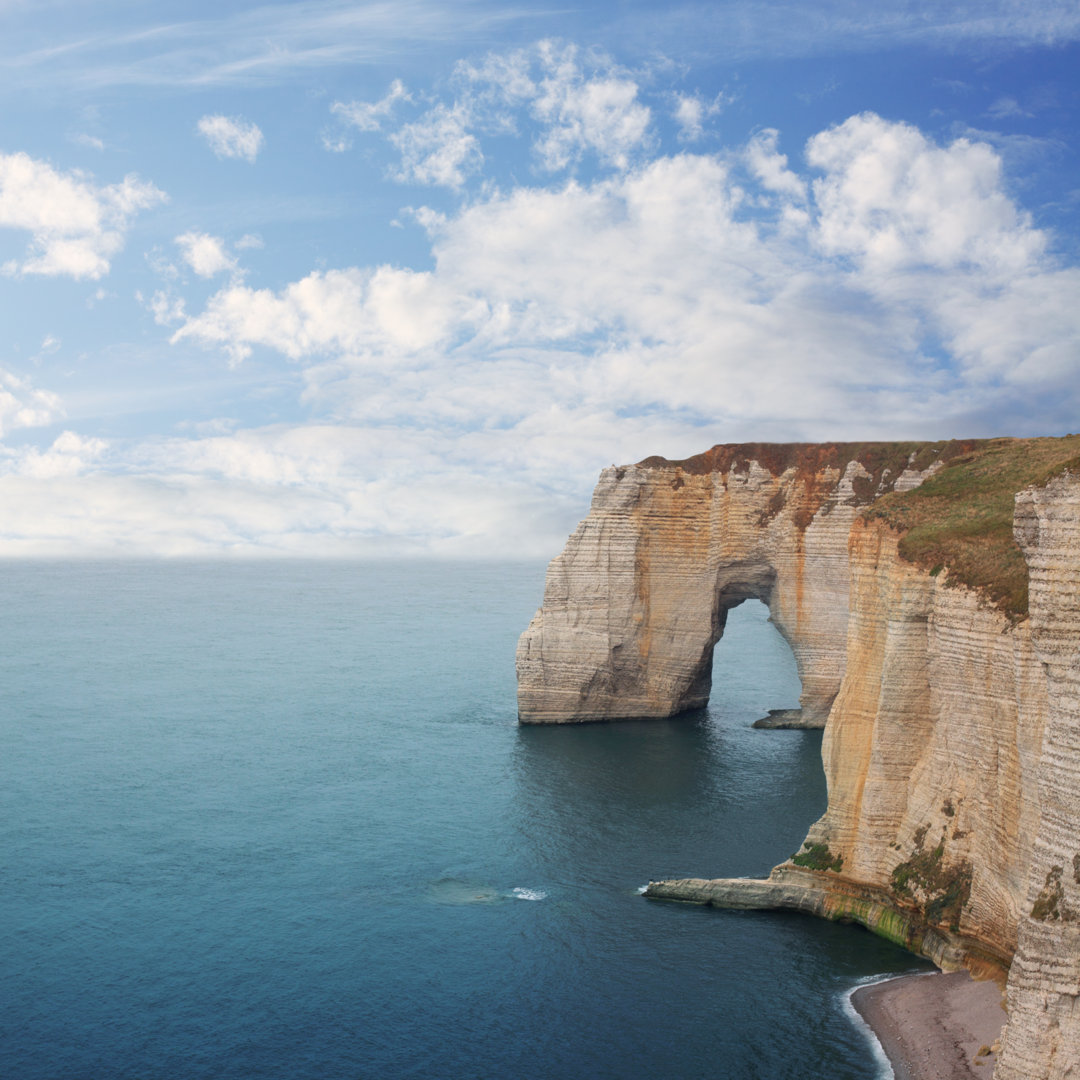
(789, 888)
(952, 744)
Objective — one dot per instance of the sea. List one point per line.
(277, 819)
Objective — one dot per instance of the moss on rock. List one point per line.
(818, 857)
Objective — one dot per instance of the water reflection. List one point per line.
(717, 796)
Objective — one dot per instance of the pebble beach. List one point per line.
(935, 1026)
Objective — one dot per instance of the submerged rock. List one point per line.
(788, 719)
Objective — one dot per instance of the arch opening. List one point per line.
(753, 668)
(819, 663)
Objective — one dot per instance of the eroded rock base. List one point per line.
(839, 900)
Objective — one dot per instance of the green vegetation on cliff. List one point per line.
(940, 888)
(818, 857)
(961, 518)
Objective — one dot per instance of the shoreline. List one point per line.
(933, 1026)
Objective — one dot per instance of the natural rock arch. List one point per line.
(636, 601)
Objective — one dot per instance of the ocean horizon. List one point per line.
(277, 819)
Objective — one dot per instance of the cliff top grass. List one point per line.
(961, 518)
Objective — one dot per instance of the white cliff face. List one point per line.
(933, 747)
(952, 746)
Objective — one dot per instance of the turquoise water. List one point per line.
(278, 820)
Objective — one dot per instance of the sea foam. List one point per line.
(884, 1066)
(529, 894)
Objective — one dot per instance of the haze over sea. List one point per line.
(277, 819)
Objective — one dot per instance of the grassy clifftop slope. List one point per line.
(961, 518)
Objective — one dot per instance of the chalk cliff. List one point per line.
(942, 658)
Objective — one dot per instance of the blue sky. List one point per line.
(334, 278)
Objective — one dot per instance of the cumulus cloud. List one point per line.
(892, 199)
(69, 455)
(231, 137)
(689, 114)
(438, 148)
(931, 231)
(770, 167)
(505, 78)
(76, 227)
(599, 113)
(691, 111)
(205, 254)
(167, 308)
(374, 315)
(579, 104)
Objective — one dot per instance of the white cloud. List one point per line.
(205, 254)
(600, 113)
(689, 114)
(691, 111)
(69, 455)
(313, 490)
(23, 405)
(367, 115)
(1025, 333)
(335, 144)
(76, 227)
(644, 292)
(231, 137)
(504, 77)
(892, 199)
(662, 291)
(219, 425)
(438, 148)
(374, 315)
(581, 104)
(1005, 107)
(770, 167)
(166, 308)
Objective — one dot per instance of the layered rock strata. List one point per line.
(952, 742)
(1043, 1031)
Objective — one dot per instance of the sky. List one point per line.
(340, 279)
